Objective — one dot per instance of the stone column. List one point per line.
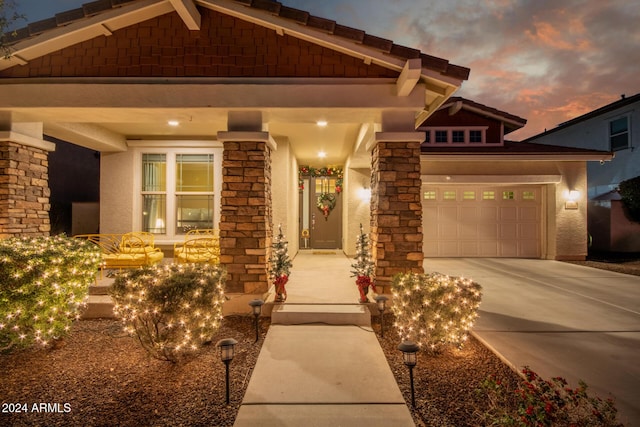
(24, 185)
(245, 217)
(396, 209)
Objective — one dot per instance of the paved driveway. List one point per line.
(561, 320)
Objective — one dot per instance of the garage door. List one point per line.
(482, 221)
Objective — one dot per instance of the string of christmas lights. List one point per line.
(435, 310)
(44, 287)
(170, 309)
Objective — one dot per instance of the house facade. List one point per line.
(248, 115)
(610, 128)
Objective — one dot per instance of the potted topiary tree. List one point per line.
(280, 265)
(363, 266)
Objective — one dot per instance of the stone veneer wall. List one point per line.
(245, 221)
(24, 191)
(396, 211)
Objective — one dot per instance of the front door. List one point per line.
(321, 213)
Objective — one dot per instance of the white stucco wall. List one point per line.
(570, 224)
(355, 210)
(116, 192)
(284, 193)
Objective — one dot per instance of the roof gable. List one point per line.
(456, 104)
(225, 46)
(100, 16)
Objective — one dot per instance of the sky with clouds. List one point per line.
(544, 60)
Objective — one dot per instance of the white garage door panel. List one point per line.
(480, 221)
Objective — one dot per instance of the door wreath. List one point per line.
(326, 203)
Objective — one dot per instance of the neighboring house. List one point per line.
(613, 128)
(242, 115)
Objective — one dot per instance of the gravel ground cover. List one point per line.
(447, 384)
(98, 376)
(627, 263)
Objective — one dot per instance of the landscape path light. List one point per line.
(409, 351)
(381, 302)
(256, 306)
(227, 351)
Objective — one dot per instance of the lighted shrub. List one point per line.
(434, 310)
(540, 402)
(44, 282)
(171, 309)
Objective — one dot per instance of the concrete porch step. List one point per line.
(100, 288)
(99, 307)
(330, 314)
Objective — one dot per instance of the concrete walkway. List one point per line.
(322, 373)
(561, 320)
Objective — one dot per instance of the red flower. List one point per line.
(548, 407)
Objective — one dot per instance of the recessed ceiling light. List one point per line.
(173, 123)
(321, 123)
(322, 154)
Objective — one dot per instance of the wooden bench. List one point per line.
(199, 246)
(128, 250)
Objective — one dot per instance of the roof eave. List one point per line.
(592, 157)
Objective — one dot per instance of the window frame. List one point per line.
(171, 149)
(433, 131)
(627, 131)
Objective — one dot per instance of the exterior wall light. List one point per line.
(256, 307)
(409, 351)
(364, 194)
(572, 199)
(227, 352)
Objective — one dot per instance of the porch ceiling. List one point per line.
(107, 129)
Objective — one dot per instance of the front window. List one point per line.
(619, 133)
(154, 193)
(194, 192)
(177, 192)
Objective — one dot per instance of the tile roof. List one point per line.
(301, 17)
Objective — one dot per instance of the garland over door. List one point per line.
(482, 221)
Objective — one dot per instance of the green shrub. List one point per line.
(538, 402)
(630, 192)
(171, 309)
(44, 282)
(434, 310)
